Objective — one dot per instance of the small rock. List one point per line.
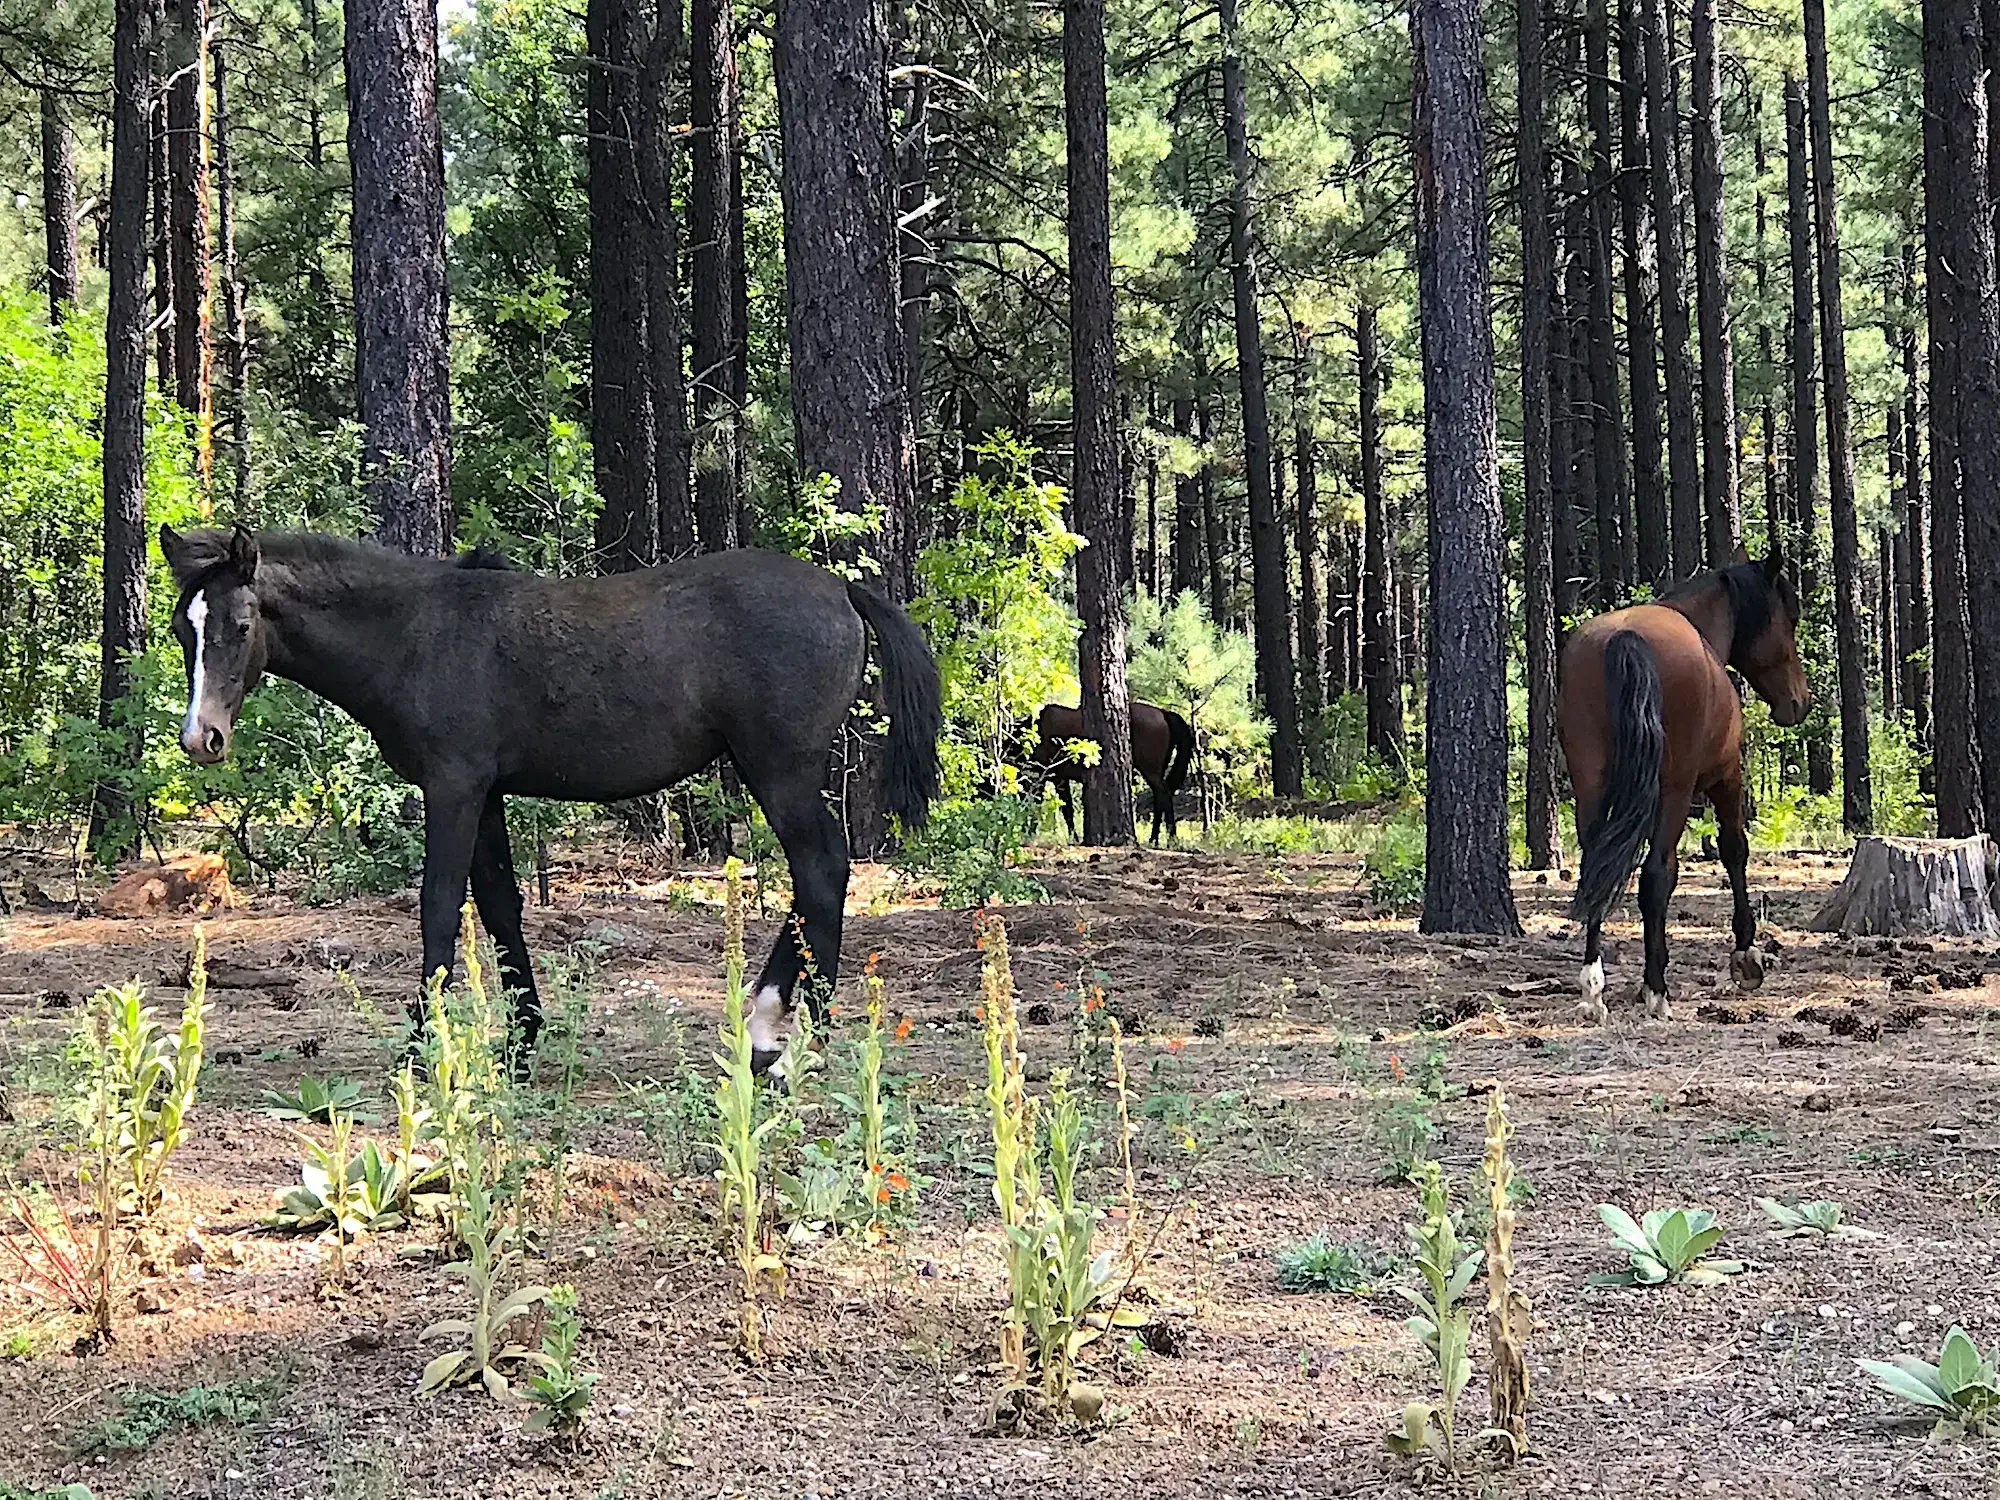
(1828, 1310)
(1905, 1329)
(148, 1301)
(1819, 1102)
(190, 1251)
(364, 1338)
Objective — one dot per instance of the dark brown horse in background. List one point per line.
(1649, 719)
(1162, 747)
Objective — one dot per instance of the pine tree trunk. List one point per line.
(1885, 606)
(162, 236)
(1767, 422)
(124, 620)
(1312, 582)
(672, 502)
(1538, 277)
(402, 372)
(1955, 768)
(1969, 251)
(235, 327)
(59, 207)
(1267, 536)
(850, 405)
(915, 280)
(1465, 865)
(1095, 491)
(1613, 498)
(184, 59)
(714, 102)
(624, 438)
(1663, 134)
(1152, 578)
(1857, 801)
(1915, 539)
(1378, 648)
(1718, 364)
(739, 358)
(1187, 506)
(1649, 486)
(1214, 546)
(1804, 359)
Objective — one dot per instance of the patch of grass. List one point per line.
(1323, 1264)
(1742, 1135)
(145, 1415)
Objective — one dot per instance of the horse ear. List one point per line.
(1774, 565)
(243, 552)
(1740, 555)
(170, 545)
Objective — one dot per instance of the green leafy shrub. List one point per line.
(1394, 866)
(145, 1415)
(1180, 659)
(1441, 1321)
(1324, 1264)
(1963, 1387)
(1821, 1217)
(1667, 1246)
(315, 1100)
(557, 1392)
(971, 848)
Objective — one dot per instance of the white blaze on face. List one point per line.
(197, 613)
(767, 1020)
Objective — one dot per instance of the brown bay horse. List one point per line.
(1649, 719)
(1162, 747)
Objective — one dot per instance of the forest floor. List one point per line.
(1275, 1017)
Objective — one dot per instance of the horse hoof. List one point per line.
(1657, 1008)
(1746, 968)
(1591, 1006)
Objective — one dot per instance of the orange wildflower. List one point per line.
(903, 1029)
(1395, 1067)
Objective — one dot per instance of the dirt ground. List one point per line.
(1275, 1016)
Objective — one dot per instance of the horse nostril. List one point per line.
(213, 742)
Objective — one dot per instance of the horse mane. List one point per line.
(485, 557)
(1754, 599)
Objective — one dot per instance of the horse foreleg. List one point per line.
(1064, 789)
(451, 830)
(1153, 787)
(1733, 843)
(498, 896)
(808, 948)
(1657, 879)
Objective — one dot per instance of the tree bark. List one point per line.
(1187, 506)
(1538, 277)
(184, 57)
(714, 98)
(1720, 483)
(1312, 582)
(124, 619)
(1969, 252)
(162, 221)
(1955, 766)
(1649, 488)
(673, 500)
(402, 371)
(1465, 865)
(59, 207)
(624, 440)
(1378, 649)
(1804, 359)
(1214, 546)
(1267, 536)
(1774, 531)
(235, 327)
(1915, 569)
(1916, 888)
(915, 275)
(850, 405)
(1612, 501)
(1663, 134)
(1857, 801)
(1095, 491)
(1885, 599)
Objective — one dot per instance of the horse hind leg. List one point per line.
(1590, 981)
(806, 957)
(1657, 879)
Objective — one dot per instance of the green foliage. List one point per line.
(1181, 660)
(557, 1392)
(1324, 1264)
(491, 1259)
(146, 1415)
(315, 1100)
(148, 1077)
(1394, 865)
(1441, 1321)
(970, 847)
(1963, 1387)
(1667, 1246)
(993, 609)
(376, 1195)
(1821, 1217)
(819, 529)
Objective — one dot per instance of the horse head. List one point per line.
(1765, 598)
(221, 629)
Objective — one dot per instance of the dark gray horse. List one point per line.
(478, 681)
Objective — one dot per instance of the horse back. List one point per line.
(1699, 707)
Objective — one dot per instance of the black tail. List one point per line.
(1630, 806)
(913, 698)
(1179, 753)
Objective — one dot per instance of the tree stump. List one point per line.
(1917, 888)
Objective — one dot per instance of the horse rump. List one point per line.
(1180, 752)
(1629, 808)
(913, 697)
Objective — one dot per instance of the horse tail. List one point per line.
(912, 695)
(1179, 752)
(1630, 806)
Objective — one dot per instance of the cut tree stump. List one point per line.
(1917, 888)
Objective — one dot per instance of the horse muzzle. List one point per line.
(205, 744)
(1792, 712)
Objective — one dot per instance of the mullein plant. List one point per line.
(1440, 1322)
(740, 1135)
(1508, 1314)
